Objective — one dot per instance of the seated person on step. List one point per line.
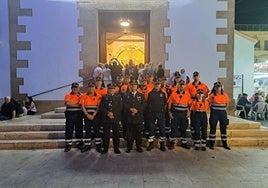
(29, 107)
(8, 110)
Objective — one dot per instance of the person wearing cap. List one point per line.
(134, 105)
(110, 109)
(199, 108)
(89, 104)
(219, 102)
(178, 107)
(156, 106)
(99, 89)
(243, 101)
(73, 115)
(192, 88)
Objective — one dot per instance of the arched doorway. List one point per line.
(124, 42)
(125, 47)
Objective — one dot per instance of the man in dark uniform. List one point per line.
(111, 108)
(134, 104)
(74, 117)
(156, 105)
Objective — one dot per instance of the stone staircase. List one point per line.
(47, 131)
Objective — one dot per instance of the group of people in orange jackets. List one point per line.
(148, 108)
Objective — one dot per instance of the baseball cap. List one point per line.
(75, 84)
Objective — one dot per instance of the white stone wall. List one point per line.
(194, 41)
(4, 51)
(54, 55)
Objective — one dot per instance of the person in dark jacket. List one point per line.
(8, 110)
(156, 105)
(110, 109)
(243, 101)
(134, 105)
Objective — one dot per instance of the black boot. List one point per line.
(128, 150)
(117, 151)
(86, 148)
(211, 145)
(162, 146)
(224, 144)
(98, 148)
(150, 147)
(171, 145)
(185, 146)
(80, 145)
(67, 148)
(139, 149)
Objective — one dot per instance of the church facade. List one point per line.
(48, 44)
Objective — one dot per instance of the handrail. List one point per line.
(48, 91)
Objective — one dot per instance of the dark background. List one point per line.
(251, 11)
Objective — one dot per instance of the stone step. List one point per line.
(32, 144)
(10, 128)
(248, 141)
(60, 109)
(32, 135)
(60, 143)
(245, 133)
(53, 115)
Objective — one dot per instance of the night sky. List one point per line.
(251, 11)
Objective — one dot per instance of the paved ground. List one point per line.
(240, 167)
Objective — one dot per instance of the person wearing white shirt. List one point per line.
(107, 78)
